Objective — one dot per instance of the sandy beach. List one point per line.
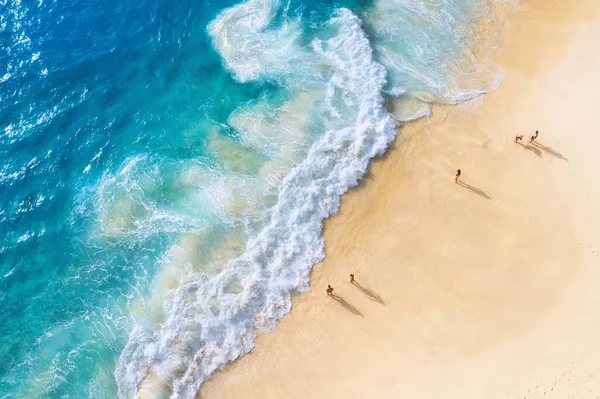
(485, 289)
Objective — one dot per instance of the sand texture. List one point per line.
(485, 289)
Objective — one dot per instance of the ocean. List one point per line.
(166, 167)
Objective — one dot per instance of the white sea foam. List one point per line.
(250, 47)
(211, 322)
(129, 207)
(432, 49)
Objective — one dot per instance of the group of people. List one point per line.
(518, 138)
(329, 289)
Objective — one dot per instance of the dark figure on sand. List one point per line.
(351, 278)
(458, 173)
(518, 137)
(329, 290)
(532, 138)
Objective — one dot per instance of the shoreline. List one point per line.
(452, 285)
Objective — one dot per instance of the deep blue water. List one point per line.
(125, 130)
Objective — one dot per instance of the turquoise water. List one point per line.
(165, 169)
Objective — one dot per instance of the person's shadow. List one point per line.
(550, 151)
(372, 295)
(346, 305)
(474, 189)
(531, 148)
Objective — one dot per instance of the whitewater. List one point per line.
(174, 204)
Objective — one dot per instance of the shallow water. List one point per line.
(165, 169)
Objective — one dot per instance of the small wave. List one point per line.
(437, 53)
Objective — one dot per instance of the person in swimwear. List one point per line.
(518, 137)
(351, 278)
(532, 138)
(329, 290)
(458, 173)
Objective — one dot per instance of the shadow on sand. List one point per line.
(349, 307)
(531, 148)
(550, 151)
(372, 295)
(474, 190)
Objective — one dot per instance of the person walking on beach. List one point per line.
(458, 172)
(351, 278)
(532, 138)
(518, 137)
(329, 290)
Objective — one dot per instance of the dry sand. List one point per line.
(488, 289)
